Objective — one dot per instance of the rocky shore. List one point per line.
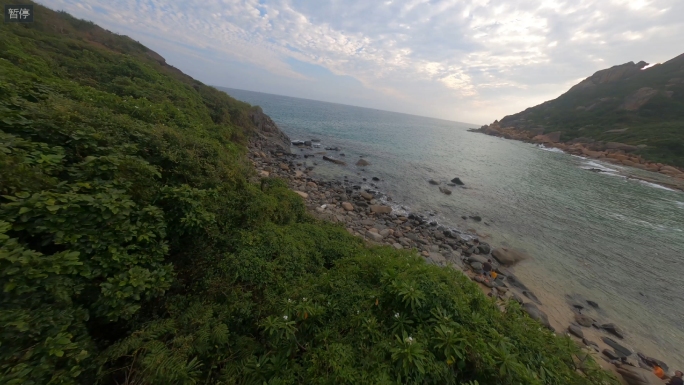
(611, 152)
(366, 212)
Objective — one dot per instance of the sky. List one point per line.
(471, 61)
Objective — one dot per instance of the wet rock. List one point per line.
(537, 315)
(613, 329)
(650, 361)
(376, 179)
(531, 296)
(445, 190)
(513, 280)
(591, 344)
(476, 218)
(362, 163)
(433, 182)
(610, 354)
(484, 248)
(477, 258)
(378, 209)
(457, 181)
(584, 320)
(507, 256)
(333, 160)
(366, 195)
(619, 349)
(593, 304)
(576, 331)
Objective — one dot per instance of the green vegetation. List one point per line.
(135, 250)
(659, 124)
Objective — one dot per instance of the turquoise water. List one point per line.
(599, 236)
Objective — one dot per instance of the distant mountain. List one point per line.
(630, 104)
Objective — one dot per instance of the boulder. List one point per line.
(484, 248)
(638, 376)
(476, 265)
(512, 279)
(433, 182)
(576, 331)
(366, 195)
(477, 258)
(378, 209)
(613, 329)
(457, 181)
(445, 190)
(619, 349)
(591, 344)
(593, 304)
(284, 166)
(302, 194)
(347, 206)
(476, 218)
(437, 258)
(333, 160)
(397, 246)
(362, 163)
(508, 257)
(583, 320)
(373, 236)
(610, 354)
(537, 314)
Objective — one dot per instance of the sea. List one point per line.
(603, 236)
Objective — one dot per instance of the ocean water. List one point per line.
(600, 236)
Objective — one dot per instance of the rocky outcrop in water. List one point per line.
(268, 130)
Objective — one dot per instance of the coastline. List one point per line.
(619, 154)
(368, 213)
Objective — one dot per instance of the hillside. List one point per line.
(138, 246)
(622, 104)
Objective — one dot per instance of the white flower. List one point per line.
(409, 340)
(285, 317)
(396, 315)
(357, 312)
(304, 299)
(289, 300)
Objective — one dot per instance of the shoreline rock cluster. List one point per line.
(612, 152)
(365, 212)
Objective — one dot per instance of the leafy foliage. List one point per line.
(134, 249)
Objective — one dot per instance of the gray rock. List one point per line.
(507, 256)
(610, 354)
(397, 246)
(445, 190)
(537, 315)
(584, 320)
(437, 258)
(638, 376)
(484, 248)
(374, 236)
(613, 329)
(457, 181)
(591, 344)
(476, 218)
(476, 265)
(477, 258)
(593, 304)
(576, 331)
(619, 349)
(433, 182)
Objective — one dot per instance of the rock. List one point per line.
(584, 320)
(477, 258)
(484, 248)
(375, 179)
(531, 296)
(457, 181)
(284, 167)
(264, 174)
(650, 361)
(636, 100)
(593, 304)
(362, 163)
(384, 232)
(298, 174)
(619, 349)
(366, 195)
(476, 265)
(347, 206)
(333, 160)
(476, 218)
(373, 236)
(397, 246)
(610, 354)
(433, 182)
(445, 190)
(638, 376)
(513, 280)
(302, 194)
(576, 331)
(591, 344)
(537, 314)
(378, 209)
(508, 257)
(437, 258)
(517, 298)
(613, 329)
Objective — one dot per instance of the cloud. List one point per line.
(459, 59)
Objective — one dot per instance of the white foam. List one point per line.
(551, 149)
(655, 185)
(680, 204)
(593, 164)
